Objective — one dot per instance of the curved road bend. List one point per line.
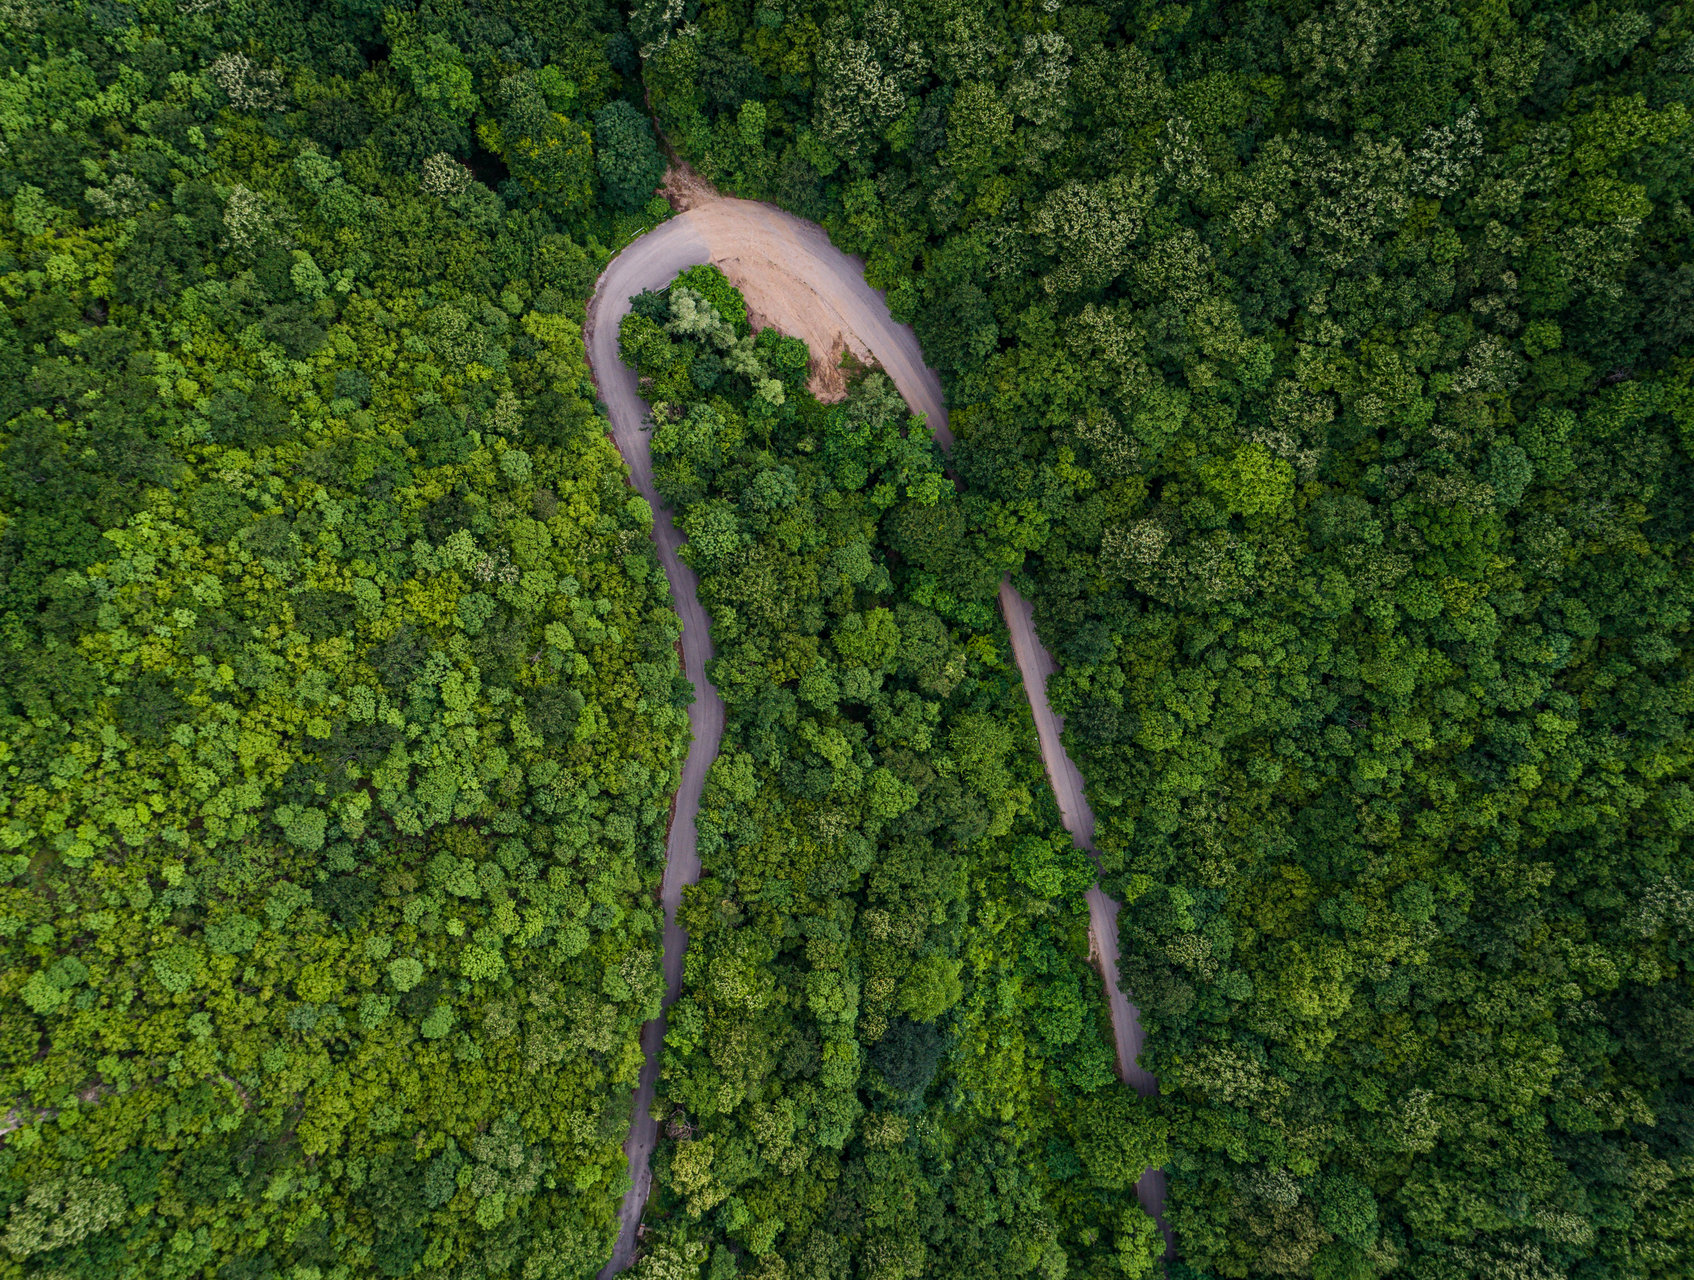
(653, 261)
(744, 236)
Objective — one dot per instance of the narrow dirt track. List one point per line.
(1035, 665)
(803, 285)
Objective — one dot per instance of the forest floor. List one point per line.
(795, 280)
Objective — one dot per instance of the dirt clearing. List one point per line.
(751, 253)
(779, 300)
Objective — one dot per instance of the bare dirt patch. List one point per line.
(751, 256)
(829, 372)
(686, 189)
(777, 299)
(833, 367)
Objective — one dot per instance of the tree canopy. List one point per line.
(1332, 364)
(339, 709)
(890, 1056)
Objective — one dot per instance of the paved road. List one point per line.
(814, 274)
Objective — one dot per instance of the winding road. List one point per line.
(796, 280)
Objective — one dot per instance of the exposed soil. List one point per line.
(684, 188)
(776, 297)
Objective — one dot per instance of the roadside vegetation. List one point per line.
(1321, 371)
(891, 1056)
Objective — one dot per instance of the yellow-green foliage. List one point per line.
(339, 705)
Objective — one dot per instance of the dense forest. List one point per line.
(890, 1057)
(1323, 371)
(1335, 364)
(339, 709)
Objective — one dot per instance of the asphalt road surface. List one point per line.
(803, 285)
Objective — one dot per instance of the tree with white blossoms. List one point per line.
(694, 317)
